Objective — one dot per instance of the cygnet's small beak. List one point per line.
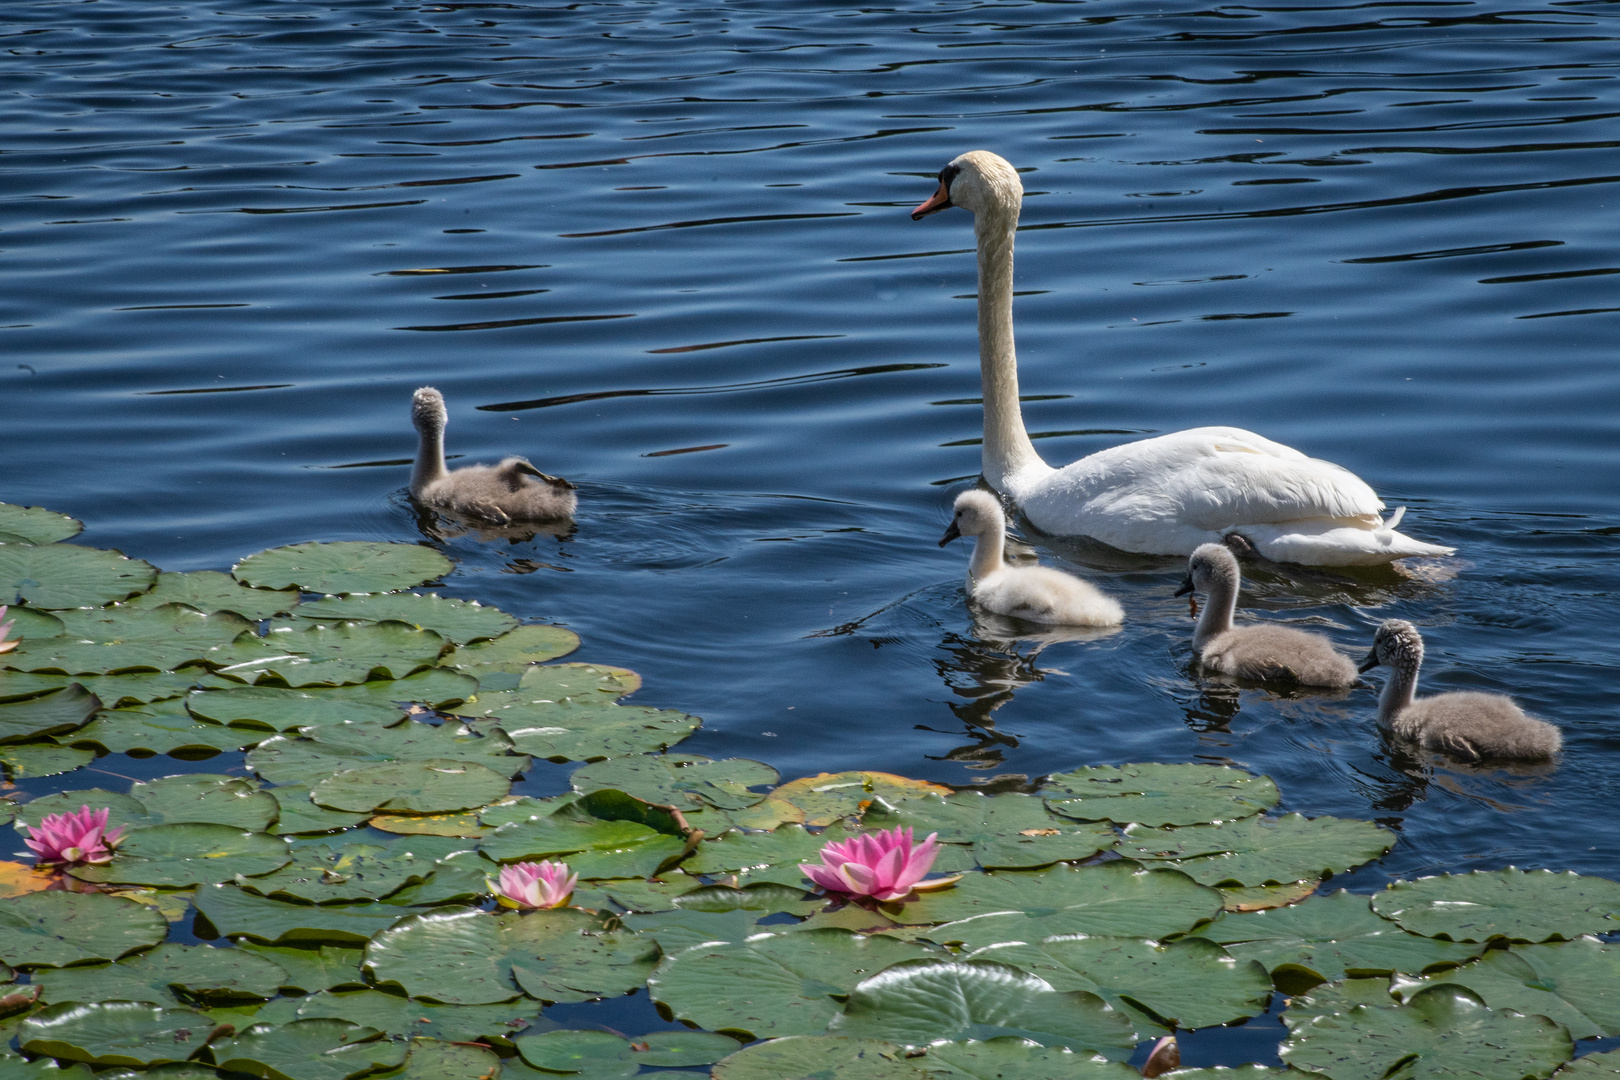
(1186, 586)
(939, 200)
(1368, 662)
(950, 534)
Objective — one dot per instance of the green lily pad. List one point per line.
(210, 591)
(29, 623)
(113, 690)
(121, 638)
(1006, 831)
(917, 1002)
(438, 688)
(325, 750)
(679, 929)
(1114, 900)
(783, 849)
(1331, 938)
(413, 787)
(190, 854)
(36, 525)
(55, 713)
(463, 956)
(307, 1050)
(457, 621)
(282, 709)
(346, 653)
(60, 576)
(765, 898)
(1338, 997)
(1008, 1058)
(1444, 1031)
(322, 873)
(635, 894)
(431, 1059)
(571, 731)
(1604, 1066)
(234, 912)
(460, 878)
(1524, 905)
(42, 759)
(162, 727)
(773, 985)
(300, 815)
(601, 1054)
(679, 780)
(206, 798)
(827, 797)
(344, 566)
(1191, 983)
(514, 650)
(124, 810)
(199, 970)
(586, 684)
(115, 1033)
(1152, 794)
(54, 929)
(308, 968)
(1260, 851)
(823, 1057)
(1576, 983)
(592, 848)
(402, 1016)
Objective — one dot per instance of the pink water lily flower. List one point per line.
(69, 839)
(883, 865)
(5, 629)
(534, 885)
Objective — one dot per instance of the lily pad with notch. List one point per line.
(120, 638)
(206, 798)
(593, 848)
(1010, 830)
(162, 727)
(300, 816)
(61, 576)
(679, 780)
(188, 854)
(115, 1033)
(602, 1054)
(343, 566)
(573, 731)
(513, 650)
(1521, 905)
(432, 786)
(35, 525)
(55, 929)
(825, 1057)
(1155, 794)
(324, 750)
(308, 968)
(541, 684)
(1576, 983)
(42, 759)
(1260, 851)
(210, 591)
(54, 713)
(400, 1016)
(135, 688)
(234, 912)
(320, 655)
(328, 873)
(199, 971)
(457, 621)
(827, 797)
(436, 688)
(277, 708)
(316, 1049)
(1009, 1058)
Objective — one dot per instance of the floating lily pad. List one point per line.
(1330, 938)
(637, 895)
(469, 957)
(55, 713)
(1338, 997)
(414, 787)
(437, 688)
(782, 849)
(189, 854)
(679, 780)
(135, 688)
(460, 878)
(432, 1059)
(30, 623)
(780, 984)
(124, 810)
(309, 968)
(325, 750)
(233, 911)
(1114, 899)
(1576, 983)
(1192, 983)
(59, 576)
(824, 1057)
(323, 873)
(917, 1002)
(457, 621)
(1151, 794)
(1011, 830)
(345, 653)
(601, 1054)
(1008, 1058)
(586, 684)
(461, 823)
(35, 525)
(1604, 1066)
(764, 898)
(1262, 897)
(585, 732)
(54, 929)
(210, 591)
(767, 814)
(300, 815)
(680, 929)
(42, 759)
(115, 1033)
(1444, 1031)
(344, 566)
(281, 709)
(1524, 905)
(162, 727)
(514, 650)
(308, 1050)
(826, 797)
(621, 848)
(120, 638)
(1260, 851)
(402, 1016)
(206, 798)
(199, 970)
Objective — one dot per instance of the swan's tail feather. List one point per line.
(1393, 520)
(1328, 543)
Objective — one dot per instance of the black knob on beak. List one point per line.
(950, 534)
(1186, 586)
(1369, 661)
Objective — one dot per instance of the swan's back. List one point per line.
(1278, 654)
(1471, 725)
(1040, 594)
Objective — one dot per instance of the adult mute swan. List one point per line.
(1160, 496)
(1468, 724)
(512, 491)
(1037, 594)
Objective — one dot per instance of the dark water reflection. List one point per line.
(662, 249)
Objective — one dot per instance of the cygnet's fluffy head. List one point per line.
(978, 181)
(1210, 565)
(1397, 644)
(977, 513)
(427, 409)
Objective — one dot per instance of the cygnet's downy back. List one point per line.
(512, 491)
(1466, 724)
(1264, 652)
(1037, 594)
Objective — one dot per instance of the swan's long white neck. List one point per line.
(1220, 603)
(989, 554)
(1398, 693)
(429, 457)
(1007, 449)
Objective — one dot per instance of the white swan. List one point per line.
(1165, 495)
(1261, 651)
(512, 491)
(1037, 594)
(1467, 724)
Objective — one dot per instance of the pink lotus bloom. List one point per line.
(534, 885)
(77, 837)
(5, 628)
(883, 865)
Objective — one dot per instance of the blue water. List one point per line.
(235, 237)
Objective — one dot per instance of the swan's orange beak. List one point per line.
(940, 200)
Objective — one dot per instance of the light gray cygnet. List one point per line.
(509, 492)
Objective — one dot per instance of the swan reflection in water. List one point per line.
(441, 527)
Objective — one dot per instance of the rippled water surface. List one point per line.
(663, 249)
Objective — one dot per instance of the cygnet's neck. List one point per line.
(1220, 602)
(1399, 691)
(1007, 450)
(988, 554)
(429, 456)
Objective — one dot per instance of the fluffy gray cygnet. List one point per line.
(1038, 594)
(512, 491)
(1260, 651)
(1467, 724)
